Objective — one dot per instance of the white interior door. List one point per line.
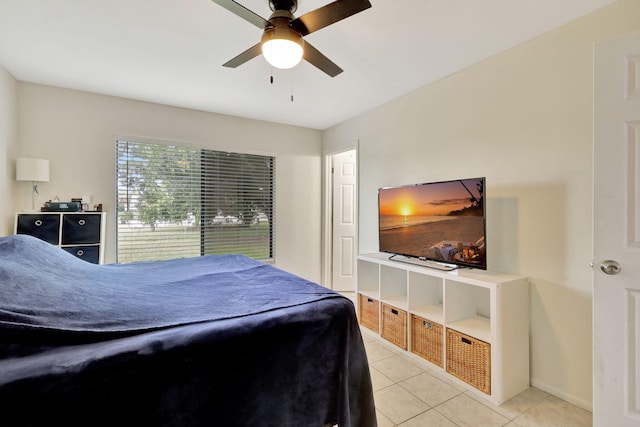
(616, 293)
(344, 221)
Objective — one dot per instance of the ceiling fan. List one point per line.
(282, 42)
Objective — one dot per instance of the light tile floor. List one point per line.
(410, 393)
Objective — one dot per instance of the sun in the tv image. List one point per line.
(443, 221)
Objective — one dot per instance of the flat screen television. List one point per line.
(441, 224)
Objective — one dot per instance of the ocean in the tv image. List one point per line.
(445, 238)
(443, 222)
(396, 221)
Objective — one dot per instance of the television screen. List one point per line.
(438, 221)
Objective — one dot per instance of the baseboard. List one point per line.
(563, 395)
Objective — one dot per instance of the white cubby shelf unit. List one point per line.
(488, 306)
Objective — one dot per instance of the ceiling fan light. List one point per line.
(282, 49)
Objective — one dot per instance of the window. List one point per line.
(176, 202)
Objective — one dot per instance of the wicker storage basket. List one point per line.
(369, 310)
(469, 359)
(394, 325)
(427, 339)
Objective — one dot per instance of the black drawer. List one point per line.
(45, 227)
(80, 229)
(87, 253)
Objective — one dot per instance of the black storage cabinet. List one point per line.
(79, 233)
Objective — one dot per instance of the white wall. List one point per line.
(524, 120)
(76, 131)
(8, 148)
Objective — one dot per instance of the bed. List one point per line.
(207, 341)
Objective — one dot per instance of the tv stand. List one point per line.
(471, 325)
(424, 262)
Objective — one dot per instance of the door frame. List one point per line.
(327, 213)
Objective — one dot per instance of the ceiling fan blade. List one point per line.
(327, 15)
(243, 12)
(248, 54)
(318, 60)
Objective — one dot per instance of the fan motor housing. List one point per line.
(279, 28)
(281, 32)
(290, 5)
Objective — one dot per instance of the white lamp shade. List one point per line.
(29, 169)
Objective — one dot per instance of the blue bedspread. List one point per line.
(208, 341)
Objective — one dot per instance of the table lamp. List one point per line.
(34, 170)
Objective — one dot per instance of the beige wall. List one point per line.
(524, 120)
(76, 131)
(8, 148)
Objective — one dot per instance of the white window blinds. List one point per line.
(176, 202)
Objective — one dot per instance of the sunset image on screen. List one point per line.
(425, 200)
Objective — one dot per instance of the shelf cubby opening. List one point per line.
(468, 309)
(426, 296)
(368, 278)
(393, 286)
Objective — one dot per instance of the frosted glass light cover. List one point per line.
(282, 53)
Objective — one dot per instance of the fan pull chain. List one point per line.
(271, 81)
(292, 91)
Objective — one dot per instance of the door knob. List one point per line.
(610, 267)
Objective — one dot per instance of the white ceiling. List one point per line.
(171, 51)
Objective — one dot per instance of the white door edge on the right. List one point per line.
(616, 233)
